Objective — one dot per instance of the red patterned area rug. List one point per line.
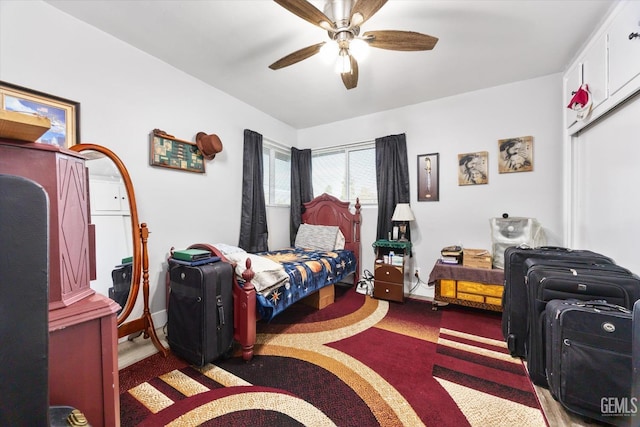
(358, 362)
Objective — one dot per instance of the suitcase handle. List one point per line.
(555, 248)
(603, 306)
(220, 310)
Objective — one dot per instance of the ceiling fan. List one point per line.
(345, 42)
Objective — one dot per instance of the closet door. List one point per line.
(606, 194)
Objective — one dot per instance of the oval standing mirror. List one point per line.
(121, 241)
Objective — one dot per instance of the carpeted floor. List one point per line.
(358, 362)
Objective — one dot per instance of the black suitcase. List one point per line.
(589, 359)
(200, 311)
(121, 279)
(584, 282)
(514, 297)
(635, 355)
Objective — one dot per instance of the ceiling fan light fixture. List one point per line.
(356, 19)
(326, 25)
(329, 51)
(359, 49)
(343, 63)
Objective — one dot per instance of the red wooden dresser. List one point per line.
(83, 359)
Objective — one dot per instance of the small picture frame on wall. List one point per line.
(428, 177)
(473, 169)
(515, 154)
(63, 114)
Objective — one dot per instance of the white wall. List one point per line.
(124, 95)
(467, 123)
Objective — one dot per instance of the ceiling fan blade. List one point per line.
(400, 40)
(366, 9)
(296, 56)
(350, 80)
(308, 12)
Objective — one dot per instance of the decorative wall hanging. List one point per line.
(428, 177)
(515, 154)
(63, 114)
(472, 168)
(170, 152)
(581, 102)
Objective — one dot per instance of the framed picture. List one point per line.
(472, 168)
(63, 113)
(515, 154)
(428, 177)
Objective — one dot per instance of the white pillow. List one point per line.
(340, 240)
(319, 237)
(228, 249)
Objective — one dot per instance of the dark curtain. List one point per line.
(392, 176)
(253, 222)
(301, 188)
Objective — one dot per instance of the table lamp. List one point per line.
(403, 215)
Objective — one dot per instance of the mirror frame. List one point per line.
(139, 235)
(136, 272)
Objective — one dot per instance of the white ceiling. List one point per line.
(230, 44)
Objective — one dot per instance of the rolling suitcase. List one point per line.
(635, 355)
(121, 277)
(589, 359)
(544, 282)
(200, 311)
(514, 298)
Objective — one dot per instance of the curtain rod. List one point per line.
(349, 145)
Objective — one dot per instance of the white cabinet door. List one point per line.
(108, 196)
(594, 70)
(624, 52)
(572, 81)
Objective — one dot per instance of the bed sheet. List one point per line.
(308, 271)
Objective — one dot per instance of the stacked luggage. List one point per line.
(569, 313)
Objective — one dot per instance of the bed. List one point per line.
(262, 291)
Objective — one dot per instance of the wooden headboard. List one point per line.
(328, 210)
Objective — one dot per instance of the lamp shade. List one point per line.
(403, 213)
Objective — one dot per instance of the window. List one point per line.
(346, 173)
(276, 167)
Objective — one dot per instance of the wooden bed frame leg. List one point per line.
(244, 299)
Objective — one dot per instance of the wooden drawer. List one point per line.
(494, 301)
(388, 291)
(389, 273)
(448, 288)
(472, 294)
(480, 288)
(470, 297)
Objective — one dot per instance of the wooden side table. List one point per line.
(473, 287)
(388, 276)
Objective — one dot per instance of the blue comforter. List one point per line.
(308, 271)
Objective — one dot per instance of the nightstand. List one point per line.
(389, 273)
